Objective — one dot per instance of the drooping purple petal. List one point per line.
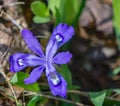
(34, 75)
(51, 49)
(62, 58)
(19, 61)
(58, 85)
(32, 42)
(62, 33)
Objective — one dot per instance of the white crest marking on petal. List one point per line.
(20, 62)
(55, 79)
(59, 38)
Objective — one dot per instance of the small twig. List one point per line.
(87, 95)
(79, 92)
(7, 80)
(6, 52)
(11, 3)
(14, 3)
(113, 99)
(23, 99)
(7, 2)
(56, 98)
(116, 94)
(12, 20)
(1, 12)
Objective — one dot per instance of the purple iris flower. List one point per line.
(61, 34)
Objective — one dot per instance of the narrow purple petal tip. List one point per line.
(34, 75)
(32, 42)
(62, 58)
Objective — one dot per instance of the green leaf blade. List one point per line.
(18, 79)
(116, 71)
(38, 19)
(116, 9)
(116, 19)
(39, 8)
(34, 100)
(53, 4)
(64, 70)
(97, 97)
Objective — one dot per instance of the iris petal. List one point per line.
(62, 58)
(49, 68)
(15, 67)
(34, 75)
(51, 49)
(59, 89)
(64, 31)
(19, 61)
(32, 42)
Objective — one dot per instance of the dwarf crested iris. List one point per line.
(45, 61)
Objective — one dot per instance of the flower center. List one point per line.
(59, 38)
(55, 79)
(20, 62)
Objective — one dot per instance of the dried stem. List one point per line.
(113, 99)
(79, 92)
(11, 3)
(14, 3)
(7, 80)
(56, 98)
(86, 94)
(12, 20)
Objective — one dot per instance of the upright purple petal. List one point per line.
(34, 75)
(51, 49)
(62, 33)
(19, 61)
(32, 42)
(58, 85)
(62, 58)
